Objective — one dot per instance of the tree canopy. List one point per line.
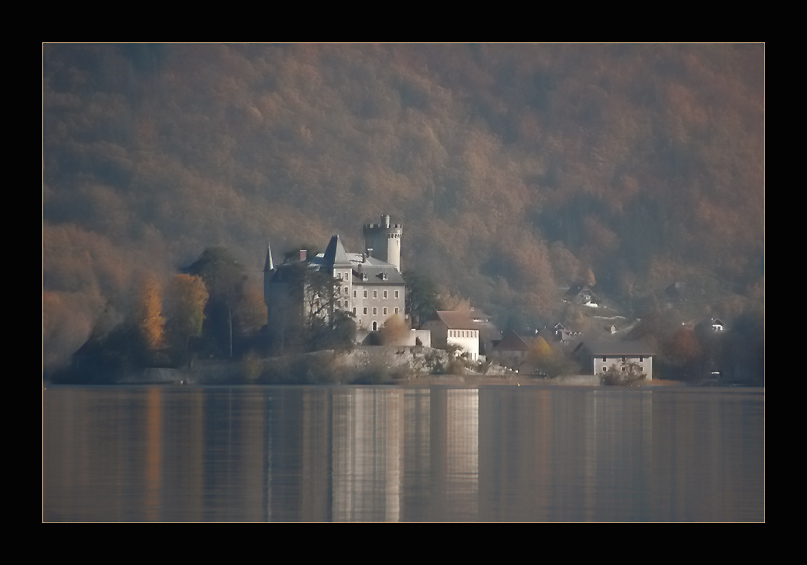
(513, 167)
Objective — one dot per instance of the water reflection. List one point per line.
(390, 454)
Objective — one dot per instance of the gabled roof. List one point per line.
(454, 320)
(511, 342)
(616, 348)
(576, 289)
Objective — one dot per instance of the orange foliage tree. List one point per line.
(149, 319)
(185, 308)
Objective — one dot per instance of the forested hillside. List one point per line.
(515, 169)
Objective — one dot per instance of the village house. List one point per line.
(454, 328)
(510, 351)
(566, 336)
(581, 294)
(623, 355)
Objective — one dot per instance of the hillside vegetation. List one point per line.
(516, 170)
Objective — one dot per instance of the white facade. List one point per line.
(383, 241)
(624, 356)
(454, 328)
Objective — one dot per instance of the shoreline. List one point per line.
(366, 366)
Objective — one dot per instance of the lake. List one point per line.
(390, 454)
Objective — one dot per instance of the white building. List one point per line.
(454, 328)
(624, 355)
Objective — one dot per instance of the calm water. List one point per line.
(342, 454)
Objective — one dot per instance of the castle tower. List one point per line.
(385, 241)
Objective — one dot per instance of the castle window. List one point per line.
(396, 294)
(365, 294)
(347, 291)
(385, 311)
(385, 294)
(354, 294)
(375, 311)
(375, 294)
(396, 310)
(365, 310)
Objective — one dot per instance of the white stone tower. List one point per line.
(384, 240)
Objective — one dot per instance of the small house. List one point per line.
(510, 351)
(623, 355)
(565, 336)
(581, 294)
(454, 328)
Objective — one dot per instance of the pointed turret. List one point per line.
(335, 254)
(269, 265)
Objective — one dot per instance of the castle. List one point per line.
(370, 284)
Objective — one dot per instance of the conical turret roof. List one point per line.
(269, 265)
(335, 254)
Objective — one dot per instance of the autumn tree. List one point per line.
(225, 280)
(148, 316)
(394, 331)
(540, 353)
(186, 300)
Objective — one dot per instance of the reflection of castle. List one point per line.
(371, 286)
